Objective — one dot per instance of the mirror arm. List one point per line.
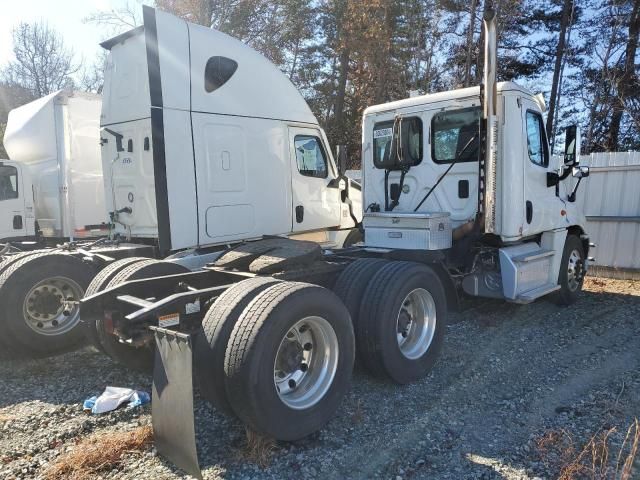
(566, 172)
(572, 195)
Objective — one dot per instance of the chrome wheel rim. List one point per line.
(574, 270)
(416, 323)
(51, 308)
(306, 363)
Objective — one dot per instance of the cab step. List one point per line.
(534, 294)
(527, 271)
(532, 256)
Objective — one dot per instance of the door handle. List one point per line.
(17, 222)
(529, 211)
(299, 214)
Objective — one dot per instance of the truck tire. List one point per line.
(402, 322)
(211, 341)
(8, 346)
(353, 281)
(276, 382)
(32, 289)
(136, 358)
(99, 282)
(571, 275)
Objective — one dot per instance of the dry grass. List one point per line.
(5, 418)
(99, 453)
(258, 449)
(595, 460)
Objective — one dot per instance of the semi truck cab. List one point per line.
(469, 173)
(205, 142)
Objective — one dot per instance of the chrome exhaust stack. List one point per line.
(490, 94)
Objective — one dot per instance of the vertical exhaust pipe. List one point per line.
(490, 94)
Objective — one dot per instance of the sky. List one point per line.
(65, 16)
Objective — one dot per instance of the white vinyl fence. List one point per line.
(611, 200)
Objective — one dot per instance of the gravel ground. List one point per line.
(510, 377)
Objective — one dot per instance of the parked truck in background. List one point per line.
(51, 190)
(461, 195)
(52, 215)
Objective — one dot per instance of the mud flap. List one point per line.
(172, 400)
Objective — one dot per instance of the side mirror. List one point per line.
(341, 154)
(572, 145)
(580, 172)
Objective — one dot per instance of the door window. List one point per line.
(456, 134)
(8, 182)
(310, 157)
(536, 143)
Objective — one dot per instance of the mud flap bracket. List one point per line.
(172, 400)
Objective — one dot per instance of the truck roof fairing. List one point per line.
(108, 44)
(178, 55)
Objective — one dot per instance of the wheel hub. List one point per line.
(404, 323)
(306, 362)
(48, 307)
(575, 270)
(291, 357)
(416, 323)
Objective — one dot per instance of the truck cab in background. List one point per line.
(52, 143)
(16, 202)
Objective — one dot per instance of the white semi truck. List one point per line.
(461, 195)
(68, 211)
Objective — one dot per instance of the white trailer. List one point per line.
(460, 192)
(55, 160)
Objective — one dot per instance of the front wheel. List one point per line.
(572, 271)
(289, 360)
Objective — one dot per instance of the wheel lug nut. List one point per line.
(304, 367)
(308, 346)
(292, 384)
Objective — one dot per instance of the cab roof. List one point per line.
(449, 95)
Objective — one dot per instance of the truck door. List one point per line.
(314, 183)
(542, 206)
(454, 133)
(12, 211)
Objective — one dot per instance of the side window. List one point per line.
(382, 135)
(310, 157)
(411, 147)
(536, 143)
(8, 182)
(217, 72)
(456, 133)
